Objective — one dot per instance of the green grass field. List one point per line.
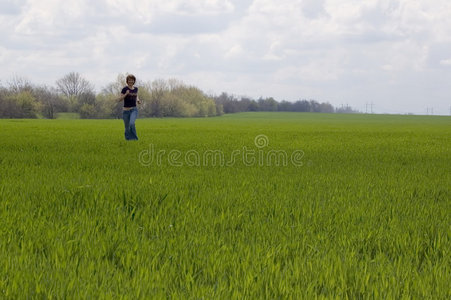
(245, 206)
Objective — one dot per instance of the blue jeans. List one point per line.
(129, 117)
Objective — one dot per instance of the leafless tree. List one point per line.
(19, 84)
(73, 85)
(51, 102)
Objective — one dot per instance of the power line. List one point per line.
(369, 105)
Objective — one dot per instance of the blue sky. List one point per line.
(394, 54)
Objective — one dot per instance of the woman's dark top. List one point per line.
(130, 99)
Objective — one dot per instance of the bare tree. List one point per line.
(73, 85)
(51, 102)
(116, 86)
(19, 84)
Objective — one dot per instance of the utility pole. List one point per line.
(371, 105)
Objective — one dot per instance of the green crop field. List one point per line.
(245, 206)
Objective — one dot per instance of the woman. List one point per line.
(129, 95)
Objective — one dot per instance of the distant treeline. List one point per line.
(231, 104)
(161, 98)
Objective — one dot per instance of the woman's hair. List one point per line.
(130, 77)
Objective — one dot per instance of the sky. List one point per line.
(385, 56)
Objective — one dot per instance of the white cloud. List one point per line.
(446, 62)
(4, 54)
(313, 8)
(205, 7)
(50, 16)
(11, 7)
(234, 51)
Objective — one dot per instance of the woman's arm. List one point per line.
(122, 96)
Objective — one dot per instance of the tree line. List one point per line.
(232, 104)
(161, 98)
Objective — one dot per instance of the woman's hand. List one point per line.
(122, 96)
